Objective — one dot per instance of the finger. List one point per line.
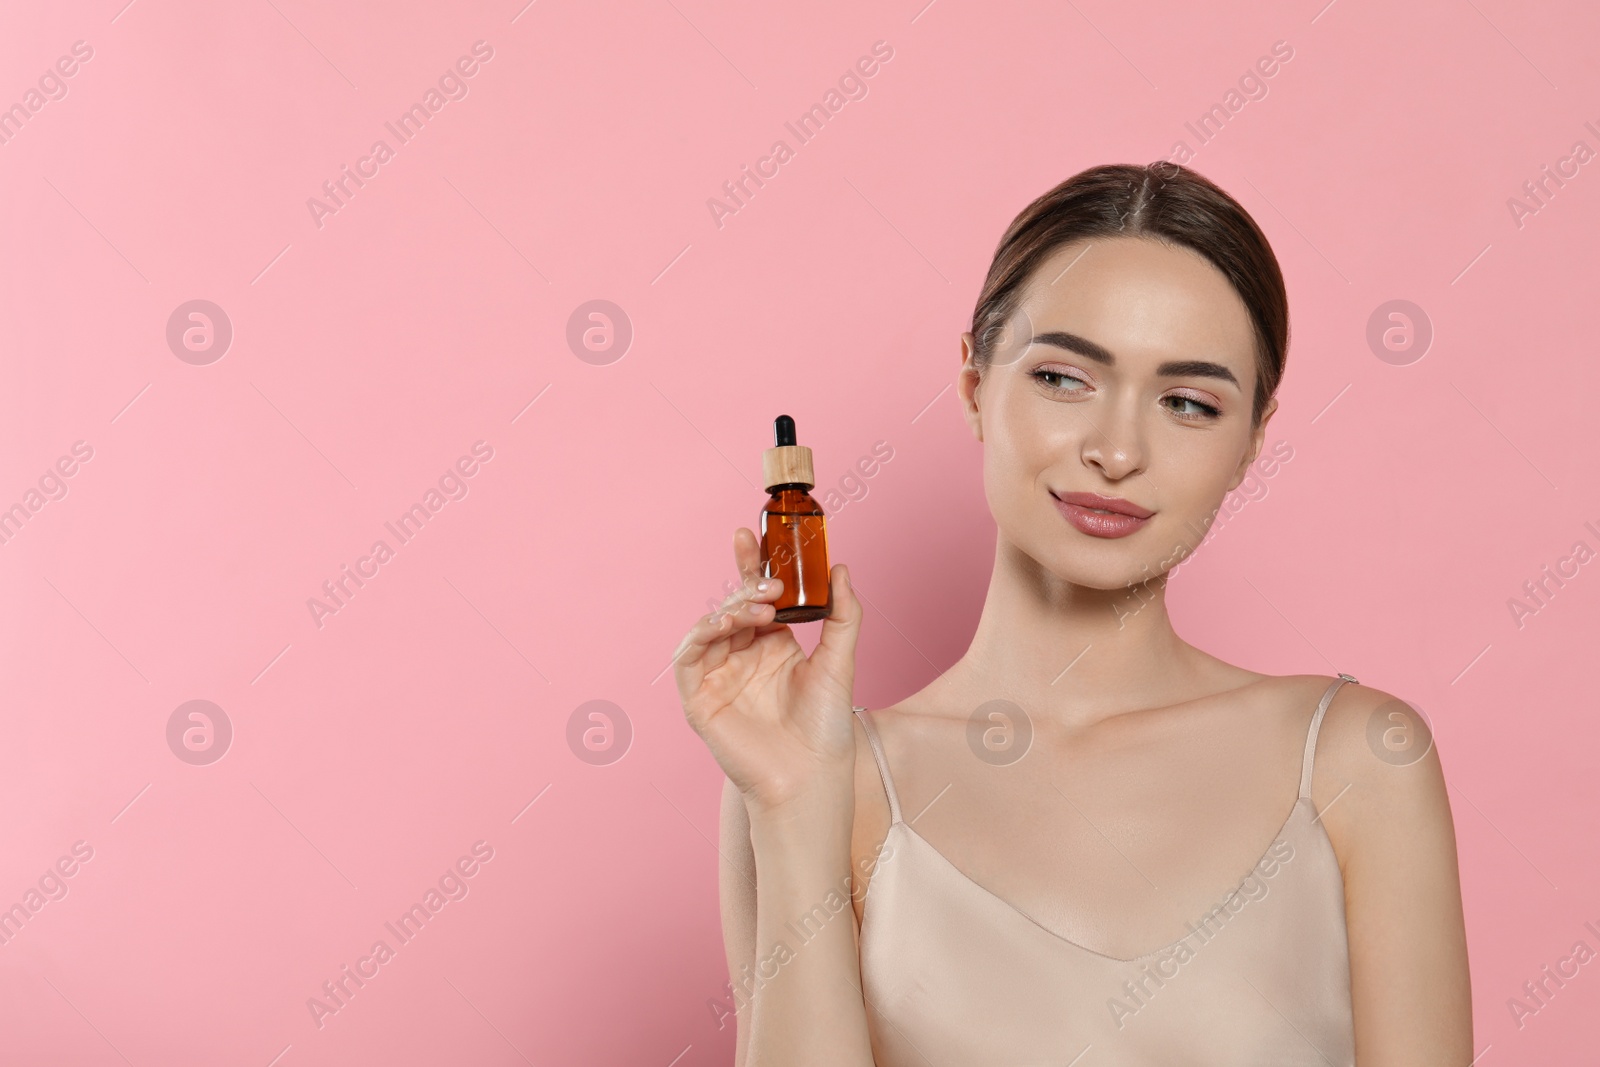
(843, 624)
(713, 636)
(752, 619)
(764, 591)
(753, 588)
(746, 553)
(689, 661)
(747, 617)
(698, 652)
(747, 636)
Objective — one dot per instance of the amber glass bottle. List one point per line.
(794, 533)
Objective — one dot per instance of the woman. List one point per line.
(1087, 838)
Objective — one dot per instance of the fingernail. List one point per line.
(762, 586)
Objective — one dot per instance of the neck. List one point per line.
(1070, 652)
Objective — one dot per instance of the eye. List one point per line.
(1199, 411)
(1051, 380)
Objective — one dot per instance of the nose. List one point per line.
(1114, 443)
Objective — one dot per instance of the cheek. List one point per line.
(1018, 452)
(1031, 433)
(1020, 462)
(1194, 479)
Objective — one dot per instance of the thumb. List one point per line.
(837, 645)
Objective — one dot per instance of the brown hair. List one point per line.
(1163, 200)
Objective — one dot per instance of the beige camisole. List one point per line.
(954, 976)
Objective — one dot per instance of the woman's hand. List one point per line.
(777, 722)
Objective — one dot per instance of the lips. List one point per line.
(1105, 503)
(1101, 516)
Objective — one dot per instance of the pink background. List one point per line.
(431, 311)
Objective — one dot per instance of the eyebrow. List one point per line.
(1183, 368)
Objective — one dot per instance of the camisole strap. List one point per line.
(1316, 725)
(882, 761)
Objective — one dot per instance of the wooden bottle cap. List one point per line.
(787, 464)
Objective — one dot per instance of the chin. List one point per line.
(1107, 565)
(1109, 579)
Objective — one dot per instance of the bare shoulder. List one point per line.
(1378, 780)
(1378, 785)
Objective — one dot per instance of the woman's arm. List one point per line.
(736, 889)
(780, 726)
(799, 997)
(1379, 785)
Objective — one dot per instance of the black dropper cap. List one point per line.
(786, 463)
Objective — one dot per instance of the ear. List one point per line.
(1257, 437)
(967, 382)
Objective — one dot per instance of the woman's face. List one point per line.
(1127, 372)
